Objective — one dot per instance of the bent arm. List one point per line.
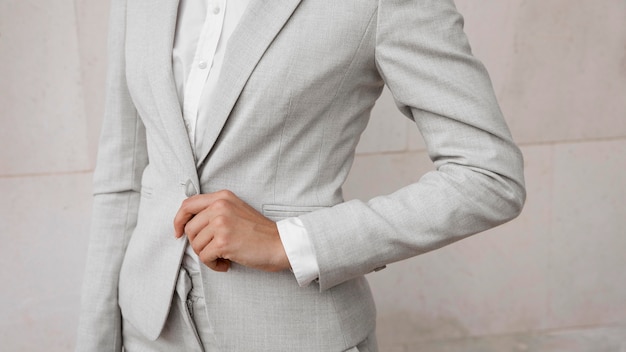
(425, 59)
(117, 181)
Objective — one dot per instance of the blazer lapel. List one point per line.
(161, 29)
(259, 25)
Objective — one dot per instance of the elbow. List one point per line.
(518, 200)
(517, 186)
(511, 188)
(503, 197)
(512, 197)
(503, 203)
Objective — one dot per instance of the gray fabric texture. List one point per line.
(299, 81)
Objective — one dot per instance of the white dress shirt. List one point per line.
(202, 31)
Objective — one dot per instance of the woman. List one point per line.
(230, 128)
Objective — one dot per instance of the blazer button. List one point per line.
(190, 189)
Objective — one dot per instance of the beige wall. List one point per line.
(552, 280)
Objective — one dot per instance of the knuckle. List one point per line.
(220, 243)
(204, 257)
(221, 221)
(226, 194)
(188, 229)
(185, 204)
(221, 204)
(197, 248)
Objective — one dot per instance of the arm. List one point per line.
(425, 59)
(122, 157)
(423, 55)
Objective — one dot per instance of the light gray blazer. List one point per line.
(298, 83)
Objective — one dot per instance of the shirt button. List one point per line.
(216, 10)
(202, 65)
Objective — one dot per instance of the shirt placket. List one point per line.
(201, 65)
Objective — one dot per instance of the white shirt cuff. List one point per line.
(299, 249)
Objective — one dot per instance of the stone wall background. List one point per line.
(552, 280)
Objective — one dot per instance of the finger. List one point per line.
(193, 205)
(222, 265)
(180, 220)
(213, 261)
(201, 240)
(196, 224)
(188, 209)
(214, 217)
(219, 265)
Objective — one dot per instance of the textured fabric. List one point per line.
(197, 311)
(186, 329)
(298, 82)
(202, 32)
(203, 28)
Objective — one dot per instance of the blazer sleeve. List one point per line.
(121, 159)
(425, 59)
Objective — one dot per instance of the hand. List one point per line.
(222, 228)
